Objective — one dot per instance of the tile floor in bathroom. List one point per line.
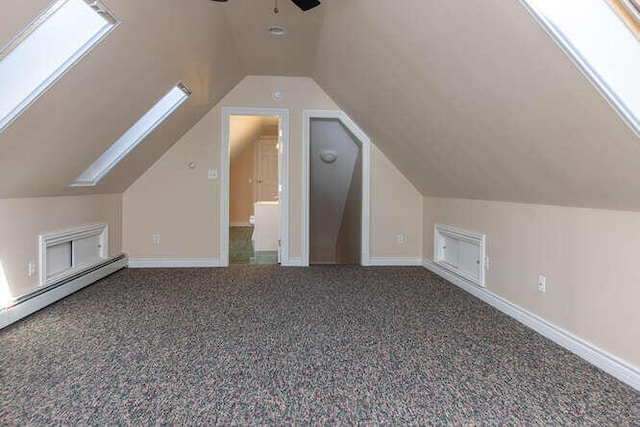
(241, 248)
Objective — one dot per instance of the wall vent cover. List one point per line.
(460, 252)
(64, 253)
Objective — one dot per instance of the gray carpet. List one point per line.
(271, 345)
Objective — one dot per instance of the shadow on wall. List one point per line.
(335, 194)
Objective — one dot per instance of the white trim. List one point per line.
(307, 115)
(23, 309)
(52, 239)
(283, 176)
(612, 365)
(174, 262)
(395, 261)
(295, 262)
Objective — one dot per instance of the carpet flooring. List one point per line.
(272, 345)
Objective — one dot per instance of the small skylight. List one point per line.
(599, 43)
(37, 56)
(133, 136)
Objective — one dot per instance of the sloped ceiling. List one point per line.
(244, 130)
(474, 100)
(157, 44)
(262, 54)
(470, 100)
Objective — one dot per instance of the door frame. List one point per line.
(307, 116)
(283, 177)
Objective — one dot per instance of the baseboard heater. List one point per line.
(27, 304)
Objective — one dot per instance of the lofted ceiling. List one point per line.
(469, 100)
(157, 44)
(476, 101)
(263, 54)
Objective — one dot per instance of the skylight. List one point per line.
(35, 58)
(133, 136)
(600, 44)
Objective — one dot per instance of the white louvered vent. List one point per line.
(64, 253)
(461, 252)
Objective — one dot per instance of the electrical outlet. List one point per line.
(212, 174)
(156, 239)
(33, 268)
(400, 238)
(542, 284)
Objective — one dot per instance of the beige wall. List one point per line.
(241, 186)
(178, 203)
(396, 207)
(183, 206)
(23, 220)
(589, 257)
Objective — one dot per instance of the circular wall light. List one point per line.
(329, 156)
(277, 30)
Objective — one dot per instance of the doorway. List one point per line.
(254, 193)
(336, 173)
(335, 193)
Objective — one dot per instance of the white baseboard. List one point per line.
(240, 224)
(31, 305)
(394, 261)
(293, 262)
(612, 365)
(174, 262)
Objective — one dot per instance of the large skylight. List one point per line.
(45, 49)
(133, 136)
(601, 45)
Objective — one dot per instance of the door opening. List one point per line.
(254, 180)
(335, 193)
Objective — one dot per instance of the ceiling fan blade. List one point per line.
(302, 4)
(306, 4)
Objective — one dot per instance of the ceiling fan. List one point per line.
(304, 5)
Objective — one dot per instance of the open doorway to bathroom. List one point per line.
(254, 189)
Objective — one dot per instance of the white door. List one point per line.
(267, 170)
(267, 174)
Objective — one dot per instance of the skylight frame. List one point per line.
(628, 13)
(112, 22)
(129, 140)
(627, 114)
